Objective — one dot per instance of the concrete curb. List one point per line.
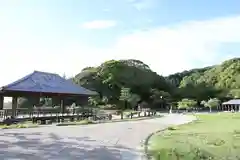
(113, 121)
(146, 142)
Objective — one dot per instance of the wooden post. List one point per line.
(62, 106)
(52, 102)
(1, 102)
(14, 106)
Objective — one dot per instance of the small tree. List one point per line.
(186, 104)
(134, 99)
(204, 103)
(159, 98)
(124, 97)
(94, 101)
(211, 103)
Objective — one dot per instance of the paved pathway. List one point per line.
(110, 141)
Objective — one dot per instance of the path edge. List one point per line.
(146, 141)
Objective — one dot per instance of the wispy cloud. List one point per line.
(166, 49)
(183, 46)
(99, 24)
(106, 10)
(142, 4)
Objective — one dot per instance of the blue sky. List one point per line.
(64, 36)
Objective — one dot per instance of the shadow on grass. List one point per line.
(38, 146)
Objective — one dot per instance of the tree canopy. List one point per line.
(222, 81)
(112, 76)
(211, 103)
(134, 82)
(187, 103)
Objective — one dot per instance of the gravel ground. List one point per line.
(110, 141)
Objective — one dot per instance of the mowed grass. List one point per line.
(19, 125)
(213, 136)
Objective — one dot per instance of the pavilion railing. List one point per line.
(2, 114)
(43, 111)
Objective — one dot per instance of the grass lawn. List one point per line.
(213, 136)
(20, 125)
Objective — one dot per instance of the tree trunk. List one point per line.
(122, 115)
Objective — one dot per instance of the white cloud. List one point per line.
(99, 24)
(183, 46)
(166, 49)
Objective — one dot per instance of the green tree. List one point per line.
(219, 81)
(186, 104)
(160, 98)
(134, 99)
(124, 97)
(211, 103)
(94, 101)
(225, 75)
(110, 77)
(234, 93)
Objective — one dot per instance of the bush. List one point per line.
(172, 128)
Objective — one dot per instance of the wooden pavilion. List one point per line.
(42, 84)
(233, 104)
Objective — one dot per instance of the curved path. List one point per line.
(109, 141)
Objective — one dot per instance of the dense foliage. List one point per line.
(131, 81)
(222, 81)
(211, 103)
(187, 104)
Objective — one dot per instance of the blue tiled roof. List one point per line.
(233, 101)
(46, 83)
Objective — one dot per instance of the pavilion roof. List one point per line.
(233, 101)
(43, 82)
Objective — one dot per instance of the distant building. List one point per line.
(233, 104)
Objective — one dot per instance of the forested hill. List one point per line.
(225, 77)
(118, 80)
(176, 78)
(113, 77)
(132, 81)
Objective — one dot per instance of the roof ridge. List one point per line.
(36, 71)
(18, 81)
